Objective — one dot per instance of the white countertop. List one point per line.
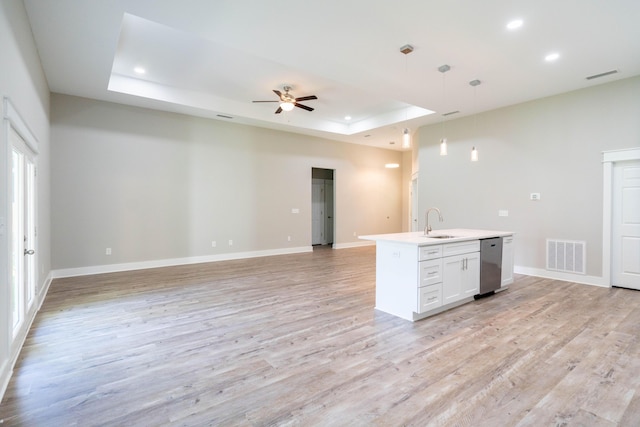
(419, 239)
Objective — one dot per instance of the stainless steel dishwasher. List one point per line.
(490, 265)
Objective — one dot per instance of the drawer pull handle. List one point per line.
(432, 252)
(431, 273)
(432, 298)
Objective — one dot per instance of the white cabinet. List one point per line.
(430, 282)
(507, 261)
(418, 276)
(460, 273)
(413, 281)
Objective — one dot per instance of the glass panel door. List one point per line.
(23, 230)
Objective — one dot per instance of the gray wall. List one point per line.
(23, 81)
(552, 146)
(154, 185)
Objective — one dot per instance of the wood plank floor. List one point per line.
(295, 340)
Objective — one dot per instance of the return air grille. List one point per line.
(566, 255)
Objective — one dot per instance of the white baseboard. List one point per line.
(5, 377)
(558, 275)
(113, 268)
(353, 244)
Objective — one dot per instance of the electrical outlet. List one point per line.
(288, 238)
(230, 242)
(503, 212)
(354, 234)
(295, 210)
(213, 244)
(534, 196)
(107, 251)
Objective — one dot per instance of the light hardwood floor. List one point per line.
(295, 340)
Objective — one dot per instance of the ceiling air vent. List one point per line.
(606, 73)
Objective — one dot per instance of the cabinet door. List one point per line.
(460, 277)
(507, 261)
(452, 278)
(471, 275)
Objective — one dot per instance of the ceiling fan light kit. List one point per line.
(288, 101)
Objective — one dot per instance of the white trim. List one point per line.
(42, 292)
(607, 215)
(352, 245)
(608, 158)
(566, 277)
(113, 268)
(19, 125)
(621, 155)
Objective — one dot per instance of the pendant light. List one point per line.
(443, 141)
(475, 84)
(406, 134)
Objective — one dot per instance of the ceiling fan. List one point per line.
(287, 101)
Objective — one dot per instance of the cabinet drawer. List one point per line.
(429, 297)
(460, 247)
(430, 272)
(430, 252)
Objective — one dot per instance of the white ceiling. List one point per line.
(213, 57)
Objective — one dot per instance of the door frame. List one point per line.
(328, 215)
(608, 160)
(12, 121)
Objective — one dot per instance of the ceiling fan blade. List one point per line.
(265, 101)
(304, 107)
(279, 110)
(306, 98)
(277, 92)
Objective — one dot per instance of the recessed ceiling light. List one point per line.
(552, 57)
(139, 70)
(347, 117)
(392, 165)
(515, 24)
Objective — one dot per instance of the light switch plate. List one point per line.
(503, 212)
(534, 196)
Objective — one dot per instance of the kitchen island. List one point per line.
(420, 275)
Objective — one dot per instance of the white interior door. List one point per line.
(625, 233)
(328, 207)
(414, 205)
(318, 213)
(23, 229)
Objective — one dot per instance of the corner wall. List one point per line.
(154, 185)
(22, 81)
(552, 146)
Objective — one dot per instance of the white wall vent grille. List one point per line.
(566, 255)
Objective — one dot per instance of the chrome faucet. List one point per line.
(427, 229)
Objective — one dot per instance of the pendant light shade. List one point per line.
(406, 138)
(443, 147)
(474, 154)
(443, 141)
(475, 84)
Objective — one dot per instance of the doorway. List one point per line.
(625, 248)
(621, 218)
(413, 200)
(322, 207)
